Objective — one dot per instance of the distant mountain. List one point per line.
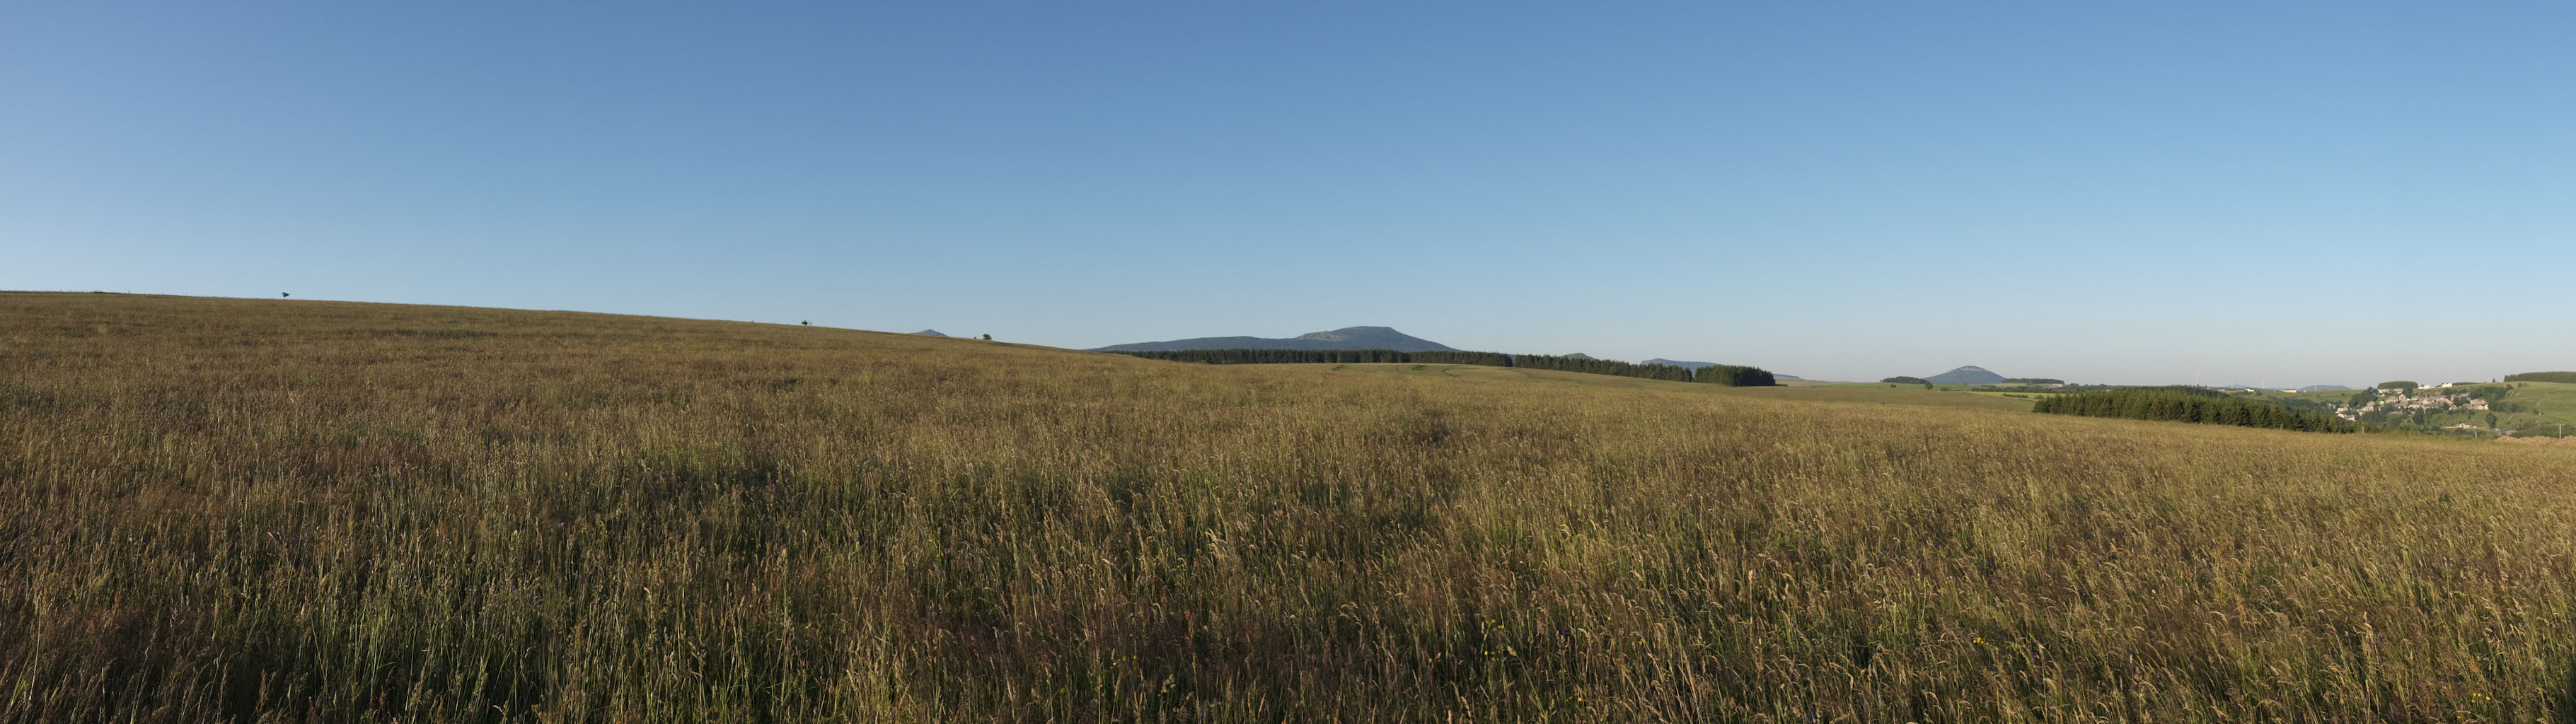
(930, 333)
(1579, 355)
(1969, 375)
(1778, 376)
(1344, 338)
(2322, 388)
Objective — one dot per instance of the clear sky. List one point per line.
(2284, 193)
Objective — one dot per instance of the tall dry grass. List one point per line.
(249, 510)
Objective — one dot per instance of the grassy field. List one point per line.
(263, 510)
(1946, 386)
(2555, 402)
(1880, 394)
(2555, 399)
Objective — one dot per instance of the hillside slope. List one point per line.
(305, 511)
(2555, 401)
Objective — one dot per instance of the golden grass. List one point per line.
(259, 510)
(1875, 394)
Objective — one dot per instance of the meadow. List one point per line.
(302, 511)
(2552, 405)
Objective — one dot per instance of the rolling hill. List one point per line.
(1344, 338)
(290, 511)
(2552, 405)
(1968, 375)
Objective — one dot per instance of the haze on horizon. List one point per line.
(2293, 195)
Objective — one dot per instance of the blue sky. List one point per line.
(2294, 193)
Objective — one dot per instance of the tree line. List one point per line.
(1728, 375)
(1735, 376)
(2568, 377)
(2190, 404)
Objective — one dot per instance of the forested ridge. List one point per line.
(2191, 404)
(2569, 377)
(1729, 375)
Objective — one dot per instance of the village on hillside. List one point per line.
(2409, 403)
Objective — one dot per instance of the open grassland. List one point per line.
(2557, 399)
(258, 510)
(1944, 386)
(1883, 395)
(2553, 401)
(1880, 394)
